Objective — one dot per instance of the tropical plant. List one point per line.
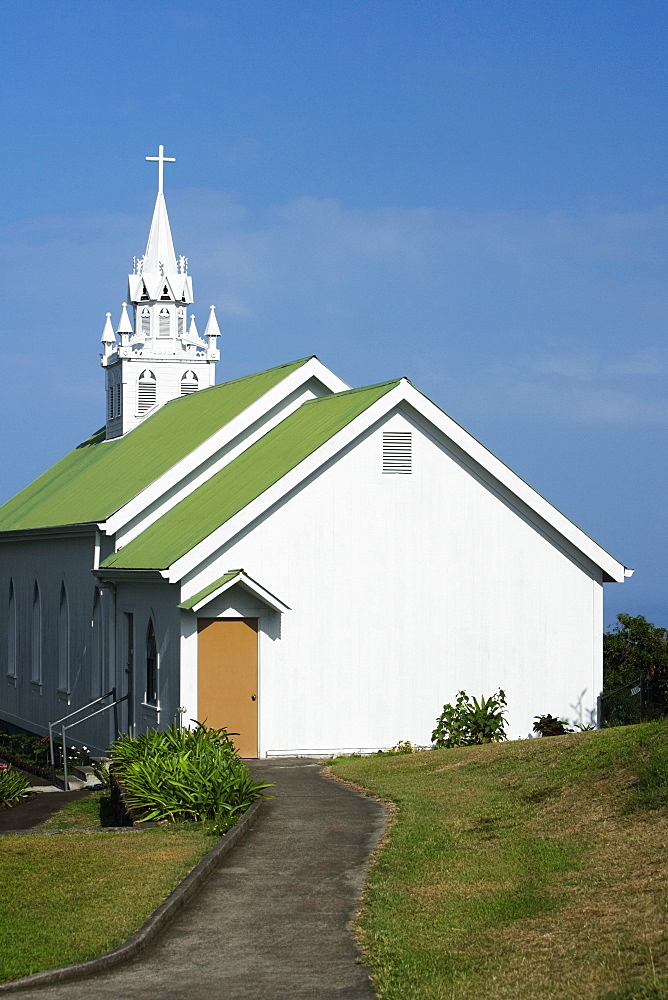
(184, 774)
(13, 786)
(549, 725)
(470, 721)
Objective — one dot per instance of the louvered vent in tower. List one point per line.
(146, 391)
(397, 452)
(189, 383)
(164, 324)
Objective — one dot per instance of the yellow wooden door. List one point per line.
(227, 678)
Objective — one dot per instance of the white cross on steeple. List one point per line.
(161, 159)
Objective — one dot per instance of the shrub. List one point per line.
(405, 746)
(13, 786)
(548, 725)
(184, 774)
(470, 721)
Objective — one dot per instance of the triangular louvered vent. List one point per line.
(397, 452)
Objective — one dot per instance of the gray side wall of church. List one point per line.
(92, 616)
(155, 601)
(58, 570)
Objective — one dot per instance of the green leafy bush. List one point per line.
(549, 725)
(184, 774)
(13, 786)
(470, 721)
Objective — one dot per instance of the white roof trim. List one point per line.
(473, 449)
(245, 581)
(313, 368)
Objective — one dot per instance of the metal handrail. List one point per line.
(57, 722)
(112, 704)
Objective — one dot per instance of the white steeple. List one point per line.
(156, 345)
(160, 258)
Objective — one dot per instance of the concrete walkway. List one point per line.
(35, 811)
(272, 922)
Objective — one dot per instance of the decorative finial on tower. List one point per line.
(161, 159)
(124, 328)
(212, 328)
(124, 323)
(108, 332)
(108, 337)
(211, 335)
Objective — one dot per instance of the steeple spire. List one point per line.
(156, 344)
(160, 258)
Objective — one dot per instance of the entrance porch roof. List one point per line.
(233, 578)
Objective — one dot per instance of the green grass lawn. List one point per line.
(93, 810)
(537, 868)
(72, 896)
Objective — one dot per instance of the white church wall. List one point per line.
(405, 589)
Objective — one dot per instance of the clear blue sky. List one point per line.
(471, 194)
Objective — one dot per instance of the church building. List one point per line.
(316, 567)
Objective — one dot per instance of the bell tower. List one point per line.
(156, 353)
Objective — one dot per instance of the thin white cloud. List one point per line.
(558, 314)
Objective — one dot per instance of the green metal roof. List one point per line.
(244, 479)
(192, 601)
(99, 476)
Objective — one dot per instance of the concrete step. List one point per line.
(74, 784)
(86, 774)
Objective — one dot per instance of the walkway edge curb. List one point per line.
(155, 923)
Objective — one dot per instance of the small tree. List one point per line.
(635, 649)
(470, 721)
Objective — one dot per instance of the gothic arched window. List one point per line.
(189, 383)
(11, 632)
(164, 324)
(36, 644)
(181, 322)
(151, 665)
(146, 322)
(97, 673)
(63, 642)
(147, 391)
